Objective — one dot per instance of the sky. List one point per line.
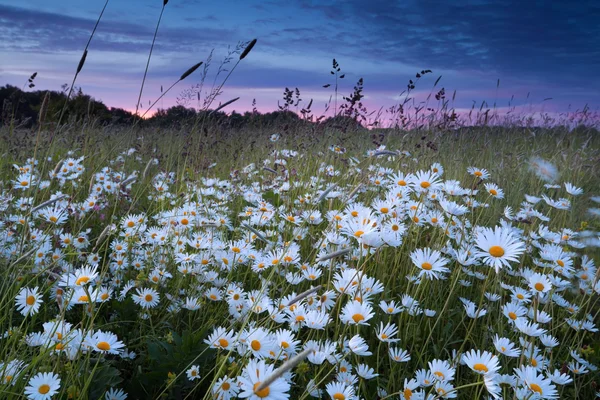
(544, 54)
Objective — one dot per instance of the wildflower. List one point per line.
(506, 347)
(494, 190)
(147, 298)
(225, 388)
(356, 313)
(221, 339)
(339, 391)
(386, 332)
(193, 373)
(430, 262)
(539, 283)
(104, 342)
(28, 301)
(498, 247)
(115, 394)
(483, 363)
(256, 372)
(541, 388)
(398, 354)
(442, 370)
(358, 346)
(42, 386)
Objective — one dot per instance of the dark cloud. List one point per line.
(552, 48)
(35, 31)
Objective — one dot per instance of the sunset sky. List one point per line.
(545, 48)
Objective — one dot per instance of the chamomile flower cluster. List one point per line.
(411, 283)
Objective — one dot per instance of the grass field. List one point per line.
(429, 264)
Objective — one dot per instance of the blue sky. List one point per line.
(545, 49)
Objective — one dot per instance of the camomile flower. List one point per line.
(445, 389)
(399, 355)
(424, 181)
(390, 307)
(386, 332)
(483, 363)
(193, 373)
(356, 313)
(365, 372)
(104, 342)
(260, 343)
(537, 385)
(147, 298)
(430, 262)
(506, 347)
(42, 386)
(539, 283)
(543, 169)
(559, 378)
(28, 301)
(494, 190)
(339, 391)
(221, 339)
(498, 247)
(529, 328)
(573, 190)
(359, 346)
(115, 394)
(480, 173)
(80, 277)
(256, 372)
(225, 388)
(442, 370)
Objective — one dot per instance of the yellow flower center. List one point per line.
(493, 192)
(358, 317)
(103, 346)
(439, 374)
(354, 213)
(539, 286)
(80, 280)
(225, 386)
(148, 298)
(561, 263)
(30, 300)
(359, 233)
(384, 210)
(520, 296)
(407, 394)
(43, 389)
(255, 344)
(480, 367)
(536, 388)
(496, 251)
(426, 266)
(223, 342)
(261, 393)
(425, 184)
(285, 345)
(478, 173)
(339, 396)
(512, 315)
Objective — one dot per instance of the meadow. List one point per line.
(299, 261)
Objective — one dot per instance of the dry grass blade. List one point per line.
(190, 71)
(222, 106)
(82, 61)
(286, 366)
(248, 49)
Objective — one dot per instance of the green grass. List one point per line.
(168, 342)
